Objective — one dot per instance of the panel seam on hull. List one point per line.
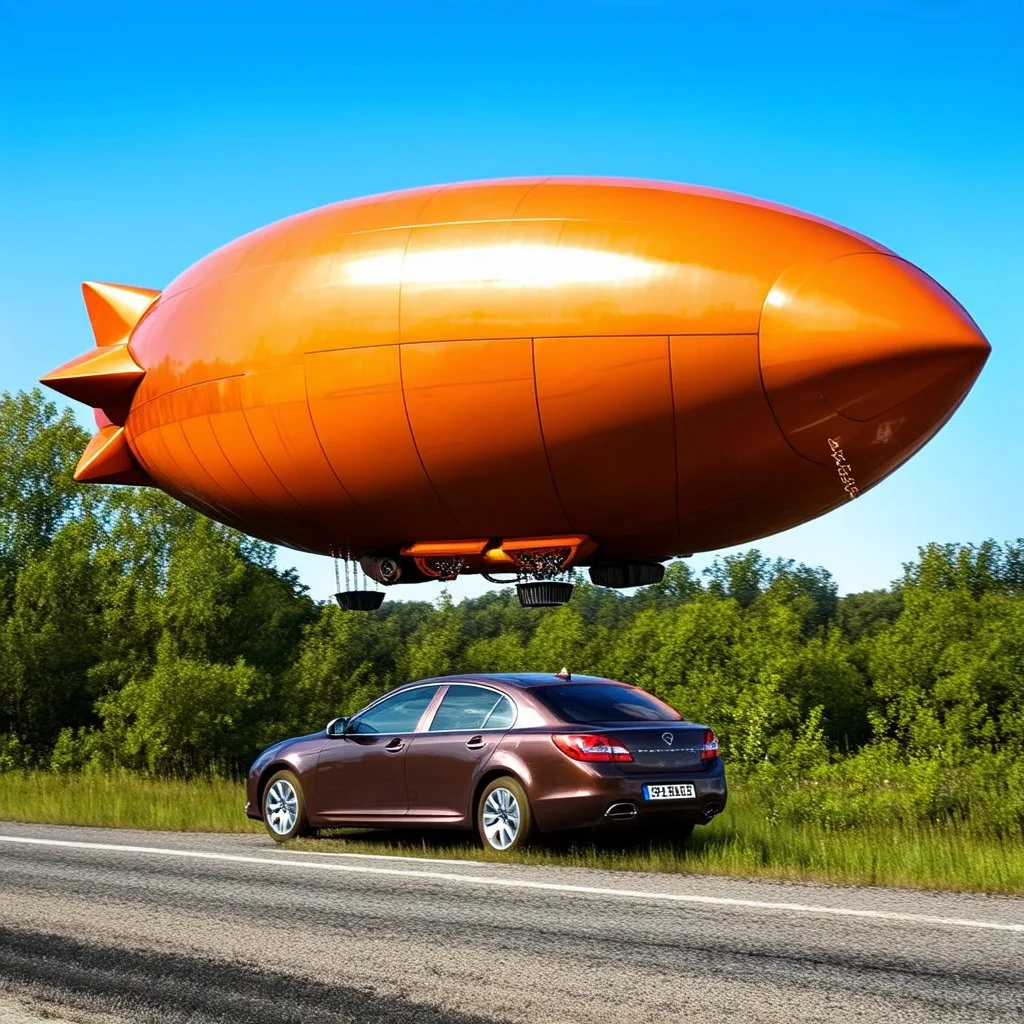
(270, 508)
(517, 337)
(212, 510)
(416, 447)
(768, 397)
(522, 199)
(459, 223)
(319, 440)
(543, 439)
(136, 406)
(138, 457)
(170, 455)
(675, 438)
(405, 253)
(367, 231)
(248, 426)
(270, 468)
(223, 511)
(443, 341)
(401, 375)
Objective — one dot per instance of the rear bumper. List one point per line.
(603, 789)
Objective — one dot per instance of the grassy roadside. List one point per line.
(124, 801)
(740, 842)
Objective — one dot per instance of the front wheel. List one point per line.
(284, 808)
(503, 818)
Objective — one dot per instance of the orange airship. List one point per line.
(524, 375)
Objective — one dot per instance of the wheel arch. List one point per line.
(266, 775)
(496, 771)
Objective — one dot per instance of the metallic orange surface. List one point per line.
(648, 368)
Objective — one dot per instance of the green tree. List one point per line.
(185, 717)
(52, 636)
(741, 577)
(866, 614)
(39, 448)
(345, 660)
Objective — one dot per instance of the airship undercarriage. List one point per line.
(535, 562)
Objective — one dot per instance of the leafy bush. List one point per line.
(186, 716)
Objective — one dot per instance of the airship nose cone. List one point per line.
(869, 349)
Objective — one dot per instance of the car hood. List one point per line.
(292, 750)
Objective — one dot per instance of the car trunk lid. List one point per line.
(665, 747)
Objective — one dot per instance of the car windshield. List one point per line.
(594, 703)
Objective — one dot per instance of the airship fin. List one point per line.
(103, 377)
(114, 309)
(106, 378)
(108, 460)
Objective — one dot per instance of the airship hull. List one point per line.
(653, 369)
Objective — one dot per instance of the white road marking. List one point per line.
(520, 883)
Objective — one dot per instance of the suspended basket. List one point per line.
(360, 600)
(624, 575)
(544, 593)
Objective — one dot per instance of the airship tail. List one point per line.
(115, 309)
(106, 379)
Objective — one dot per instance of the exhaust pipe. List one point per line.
(710, 810)
(621, 811)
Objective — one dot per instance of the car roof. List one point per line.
(524, 680)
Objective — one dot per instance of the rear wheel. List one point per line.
(284, 807)
(503, 818)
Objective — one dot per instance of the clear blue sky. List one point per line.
(136, 138)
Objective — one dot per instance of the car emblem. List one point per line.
(668, 737)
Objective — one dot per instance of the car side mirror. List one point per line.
(336, 726)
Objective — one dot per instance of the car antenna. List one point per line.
(564, 674)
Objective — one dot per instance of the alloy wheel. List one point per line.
(501, 818)
(282, 807)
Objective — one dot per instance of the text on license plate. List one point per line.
(670, 791)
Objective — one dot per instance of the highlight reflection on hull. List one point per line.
(648, 368)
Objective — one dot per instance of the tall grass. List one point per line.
(740, 842)
(124, 801)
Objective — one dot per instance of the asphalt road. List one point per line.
(100, 925)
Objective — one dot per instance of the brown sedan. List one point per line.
(507, 755)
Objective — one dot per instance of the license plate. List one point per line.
(670, 791)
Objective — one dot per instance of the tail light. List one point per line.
(591, 747)
(709, 751)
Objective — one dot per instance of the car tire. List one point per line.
(504, 820)
(284, 807)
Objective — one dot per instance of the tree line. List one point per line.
(136, 635)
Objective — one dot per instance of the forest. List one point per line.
(138, 636)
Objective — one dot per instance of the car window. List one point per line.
(502, 715)
(399, 713)
(472, 707)
(594, 703)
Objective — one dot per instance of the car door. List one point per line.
(361, 774)
(443, 762)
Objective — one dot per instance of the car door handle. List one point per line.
(475, 743)
(395, 746)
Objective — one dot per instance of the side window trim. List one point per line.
(423, 725)
(426, 723)
(496, 705)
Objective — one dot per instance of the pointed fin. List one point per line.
(109, 460)
(103, 377)
(114, 309)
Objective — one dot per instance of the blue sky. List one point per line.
(136, 138)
